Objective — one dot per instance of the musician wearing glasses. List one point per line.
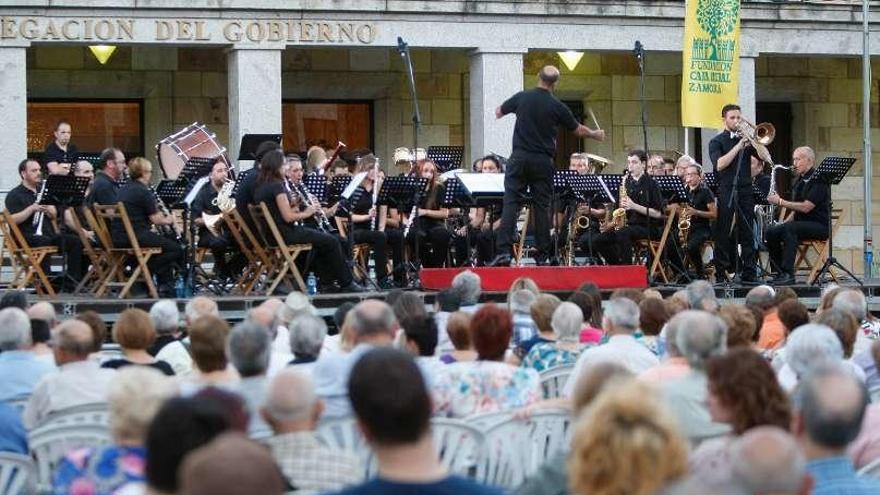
(368, 224)
(731, 158)
(144, 212)
(216, 238)
(428, 220)
(329, 259)
(641, 199)
(22, 204)
(810, 202)
(700, 211)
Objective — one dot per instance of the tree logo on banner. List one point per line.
(718, 18)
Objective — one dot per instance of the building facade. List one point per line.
(260, 66)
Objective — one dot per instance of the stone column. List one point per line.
(254, 95)
(13, 108)
(495, 75)
(747, 85)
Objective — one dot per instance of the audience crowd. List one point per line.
(687, 394)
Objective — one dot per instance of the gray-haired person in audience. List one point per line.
(620, 321)
(292, 410)
(166, 320)
(307, 333)
(20, 368)
(267, 315)
(701, 295)
(177, 353)
(373, 324)
(810, 346)
(767, 459)
(134, 397)
(829, 407)
(854, 302)
(79, 380)
(699, 336)
(248, 348)
(566, 323)
(468, 286)
(295, 304)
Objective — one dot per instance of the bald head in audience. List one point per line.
(200, 306)
(73, 342)
(373, 321)
(766, 459)
(291, 403)
(43, 310)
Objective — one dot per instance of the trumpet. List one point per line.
(759, 136)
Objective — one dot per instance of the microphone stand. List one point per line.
(403, 49)
(639, 52)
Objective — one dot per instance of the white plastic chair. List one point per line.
(872, 470)
(553, 380)
(548, 432)
(484, 421)
(77, 427)
(16, 474)
(505, 454)
(459, 445)
(344, 434)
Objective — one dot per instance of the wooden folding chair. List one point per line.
(119, 255)
(656, 248)
(29, 258)
(289, 252)
(260, 262)
(98, 258)
(6, 250)
(804, 264)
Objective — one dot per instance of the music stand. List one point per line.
(247, 150)
(316, 185)
(454, 194)
(832, 170)
(405, 190)
(673, 188)
(584, 187)
(446, 157)
(65, 191)
(711, 181)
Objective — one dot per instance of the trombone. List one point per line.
(760, 136)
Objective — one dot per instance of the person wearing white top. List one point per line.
(78, 381)
(620, 320)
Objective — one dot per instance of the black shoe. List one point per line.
(500, 260)
(353, 287)
(783, 279)
(542, 261)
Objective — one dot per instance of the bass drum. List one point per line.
(194, 141)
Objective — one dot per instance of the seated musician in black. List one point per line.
(482, 224)
(429, 222)
(326, 248)
(368, 223)
(643, 199)
(701, 209)
(219, 240)
(143, 212)
(247, 183)
(21, 202)
(105, 186)
(593, 209)
(810, 202)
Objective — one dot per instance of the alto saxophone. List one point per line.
(618, 216)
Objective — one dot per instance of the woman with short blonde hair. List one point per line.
(626, 443)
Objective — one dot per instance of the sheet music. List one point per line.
(605, 188)
(482, 183)
(191, 196)
(452, 173)
(355, 182)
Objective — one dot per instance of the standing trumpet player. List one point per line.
(699, 212)
(810, 203)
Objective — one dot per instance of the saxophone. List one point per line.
(225, 202)
(618, 216)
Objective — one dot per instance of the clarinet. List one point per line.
(169, 231)
(290, 193)
(320, 216)
(39, 216)
(375, 218)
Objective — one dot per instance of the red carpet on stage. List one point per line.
(547, 277)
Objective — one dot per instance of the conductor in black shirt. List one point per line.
(810, 203)
(538, 117)
(731, 156)
(60, 150)
(143, 212)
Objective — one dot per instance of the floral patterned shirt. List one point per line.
(477, 387)
(103, 471)
(546, 355)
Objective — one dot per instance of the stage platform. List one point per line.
(234, 308)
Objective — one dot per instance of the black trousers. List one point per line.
(783, 240)
(326, 251)
(433, 244)
(71, 245)
(394, 236)
(483, 240)
(616, 246)
(587, 242)
(532, 172)
(696, 238)
(725, 241)
(219, 246)
(163, 264)
(378, 242)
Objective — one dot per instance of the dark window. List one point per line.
(567, 143)
(324, 123)
(95, 124)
